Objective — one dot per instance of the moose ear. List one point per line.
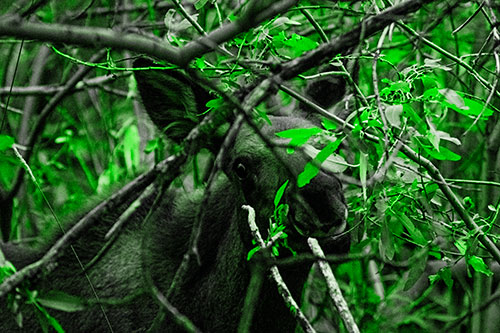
(172, 100)
(327, 90)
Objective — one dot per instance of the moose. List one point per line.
(213, 292)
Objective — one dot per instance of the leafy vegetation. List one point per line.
(415, 135)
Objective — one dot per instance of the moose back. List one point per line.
(212, 295)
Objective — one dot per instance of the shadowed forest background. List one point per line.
(408, 96)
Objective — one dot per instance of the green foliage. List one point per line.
(277, 226)
(442, 107)
(23, 294)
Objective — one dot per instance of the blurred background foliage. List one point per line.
(423, 269)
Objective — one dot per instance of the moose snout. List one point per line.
(321, 210)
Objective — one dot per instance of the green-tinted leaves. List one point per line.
(199, 4)
(476, 107)
(461, 245)
(393, 114)
(6, 268)
(479, 266)
(293, 46)
(323, 158)
(215, 104)
(131, 142)
(435, 138)
(279, 194)
(6, 142)
(443, 274)
(458, 102)
(252, 252)
(386, 245)
(298, 136)
(443, 154)
(415, 233)
(61, 301)
(328, 124)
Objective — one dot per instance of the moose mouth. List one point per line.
(330, 220)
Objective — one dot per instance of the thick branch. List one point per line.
(85, 36)
(98, 37)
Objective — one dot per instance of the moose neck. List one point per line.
(221, 282)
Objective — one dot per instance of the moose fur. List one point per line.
(213, 293)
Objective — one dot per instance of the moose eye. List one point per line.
(240, 170)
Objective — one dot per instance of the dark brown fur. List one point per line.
(212, 295)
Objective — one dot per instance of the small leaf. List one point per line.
(200, 4)
(453, 100)
(131, 144)
(298, 136)
(445, 274)
(279, 194)
(393, 114)
(312, 167)
(252, 252)
(284, 21)
(461, 245)
(6, 142)
(476, 107)
(310, 171)
(479, 266)
(61, 301)
(386, 245)
(415, 233)
(328, 124)
(200, 63)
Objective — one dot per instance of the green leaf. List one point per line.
(200, 63)
(415, 233)
(453, 100)
(152, 145)
(252, 252)
(311, 169)
(415, 118)
(461, 245)
(445, 274)
(333, 163)
(386, 245)
(298, 45)
(6, 142)
(444, 154)
(279, 194)
(200, 4)
(131, 143)
(61, 301)
(328, 124)
(479, 266)
(215, 103)
(393, 114)
(458, 102)
(298, 136)
(476, 107)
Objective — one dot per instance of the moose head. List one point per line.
(213, 291)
